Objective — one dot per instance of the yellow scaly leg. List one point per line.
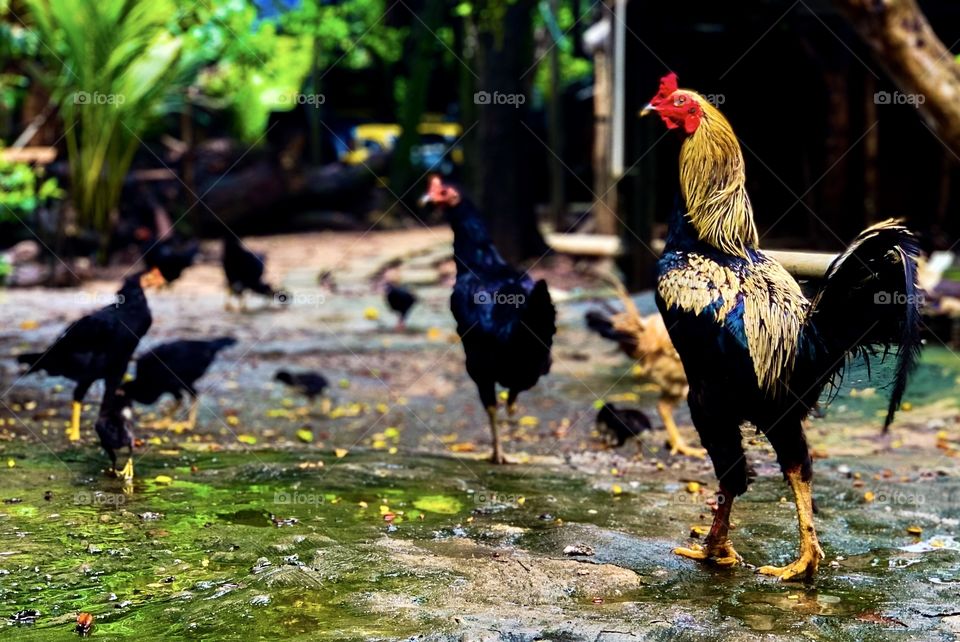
(73, 432)
(810, 551)
(677, 444)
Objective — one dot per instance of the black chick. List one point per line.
(99, 345)
(170, 256)
(505, 320)
(310, 384)
(174, 368)
(621, 424)
(400, 301)
(115, 428)
(244, 271)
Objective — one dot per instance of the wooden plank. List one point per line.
(805, 265)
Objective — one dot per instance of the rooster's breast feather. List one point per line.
(755, 300)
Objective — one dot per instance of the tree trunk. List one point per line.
(505, 144)
(904, 43)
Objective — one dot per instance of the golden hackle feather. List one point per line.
(713, 184)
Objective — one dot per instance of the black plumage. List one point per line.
(505, 320)
(309, 384)
(621, 424)
(173, 368)
(115, 428)
(99, 345)
(244, 269)
(400, 301)
(170, 256)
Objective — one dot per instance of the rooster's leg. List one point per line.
(717, 548)
(497, 457)
(126, 473)
(810, 551)
(675, 439)
(73, 432)
(192, 417)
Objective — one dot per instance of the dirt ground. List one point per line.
(402, 414)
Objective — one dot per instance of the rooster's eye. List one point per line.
(679, 101)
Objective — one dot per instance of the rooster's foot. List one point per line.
(803, 568)
(681, 448)
(722, 555)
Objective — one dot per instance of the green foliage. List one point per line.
(572, 68)
(114, 61)
(22, 190)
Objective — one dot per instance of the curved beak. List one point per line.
(646, 110)
(424, 200)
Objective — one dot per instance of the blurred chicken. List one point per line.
(505, 319)
(621, 424)
(244, 271)
(174, 368)
(646, 340)
(114, 427)
(400, 301)
(309, 384)
(99, 345)
(171, 255)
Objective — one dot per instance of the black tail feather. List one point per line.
(871, 302)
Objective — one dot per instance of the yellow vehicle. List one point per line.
(437, 148)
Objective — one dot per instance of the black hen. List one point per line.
(174, 368)
(309, 384)
(622, 423)
(244, 270)
(115, 428)
(505, 320)
(99, 345)
(170, 256)
(400, 301)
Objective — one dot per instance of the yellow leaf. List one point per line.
(371, 314)
(529, 421)
(616, 489)
(11, 463)
(693, 487)
(247, 439)
(340, 453)
(869, 496)
(29, 324)
(305, 435)
(233, 420)
(163, 479)
(434, 334)
(391, 433)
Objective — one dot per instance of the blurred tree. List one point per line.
(503, 167)
(113, 61)
(903, 41)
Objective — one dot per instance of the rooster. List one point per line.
(505, 320)
(244, 271)
(646, 340)
(753, 347)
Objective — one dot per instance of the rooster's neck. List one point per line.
(713, 184)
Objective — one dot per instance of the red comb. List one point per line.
(668, 85)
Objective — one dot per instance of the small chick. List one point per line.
(310, 384)
(400, 301)
(621, 424)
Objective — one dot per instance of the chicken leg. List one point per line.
(810, 551)
(497, 457)
(73, 432)
(717, 549)
(677, 443)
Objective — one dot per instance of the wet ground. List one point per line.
(374, 516)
